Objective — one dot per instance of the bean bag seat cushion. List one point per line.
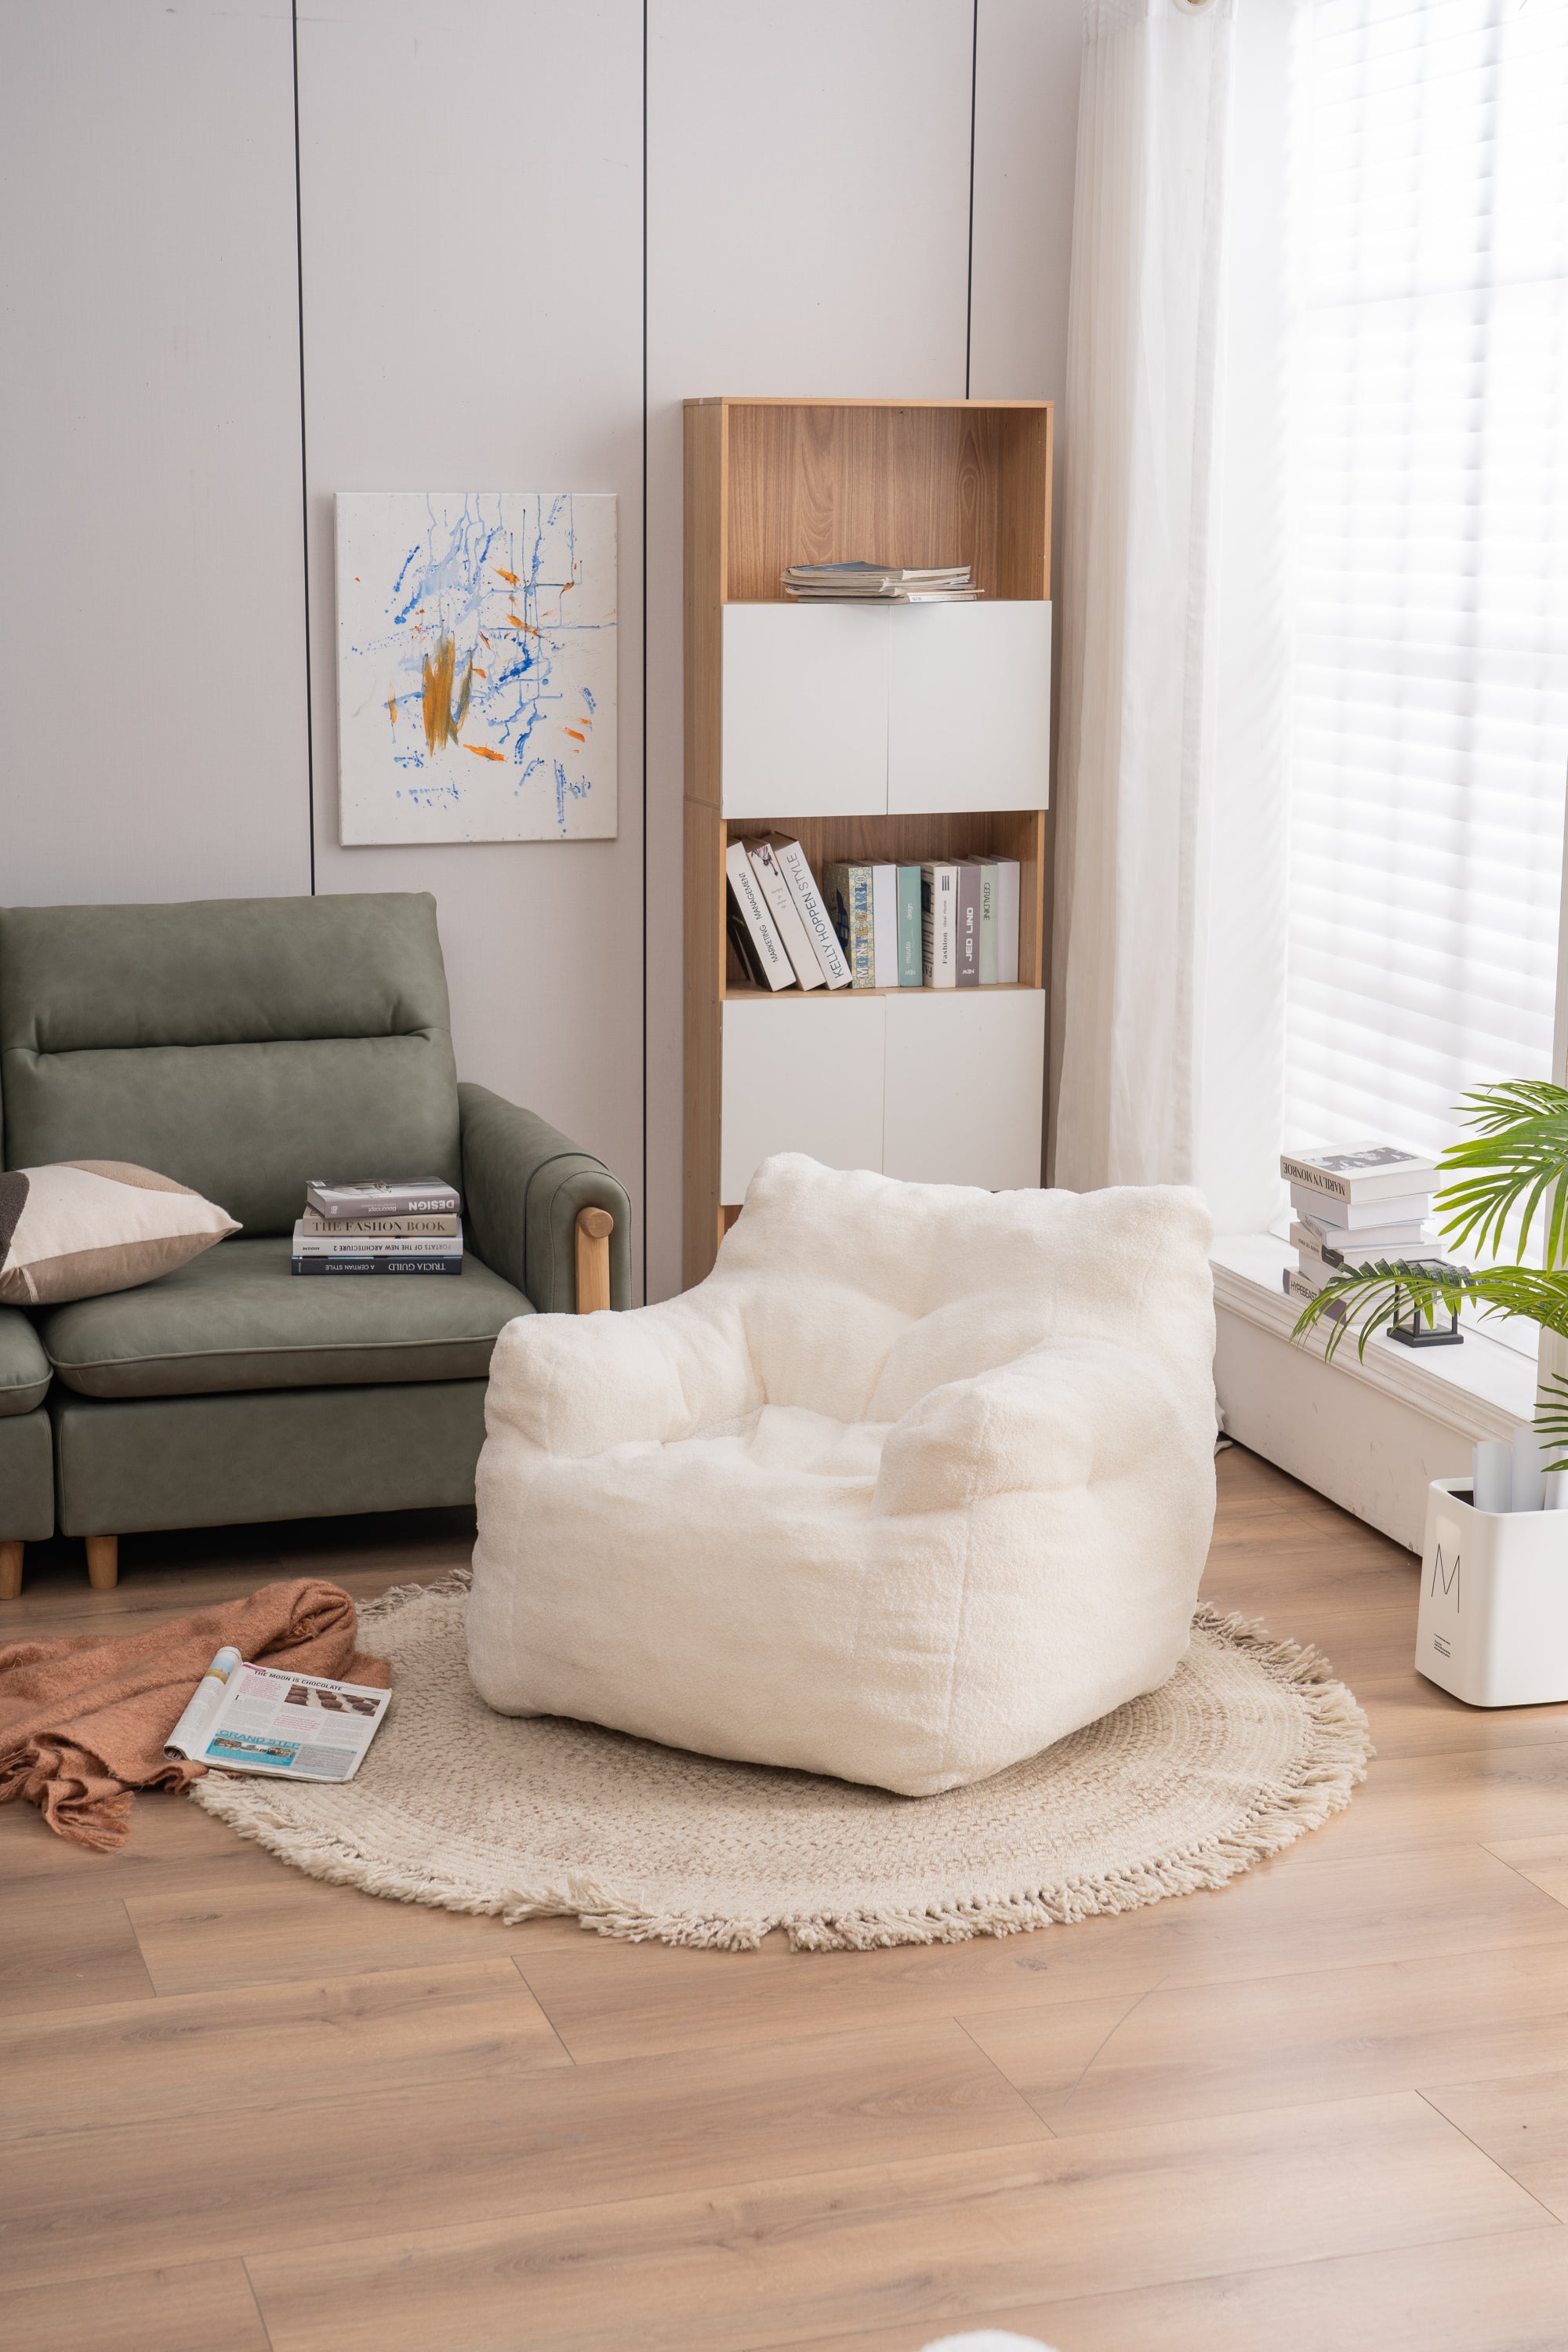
(917, 1481)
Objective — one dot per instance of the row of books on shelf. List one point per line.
(1353, 1205)
(370, 1225)
(944, 923)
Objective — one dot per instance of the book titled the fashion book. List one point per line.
(337, 1197)
(377, 1228)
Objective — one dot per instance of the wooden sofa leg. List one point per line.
(103, 1562)
(594, 1227)
(10, 1570)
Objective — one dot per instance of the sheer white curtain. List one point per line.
(1167, 1012)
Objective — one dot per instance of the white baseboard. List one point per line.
(1371, 1435)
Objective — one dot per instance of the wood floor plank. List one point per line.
(349, 2167)
(1522, 2123)
(790, 2262)
(216, 1931)
(131, 2061)
(1543, 1861)
(1273, 2040)
(1303, 1911)
(1410, 1716)
(1484, 1796)
(194, 2308)
(1478, 2295)
(66, 1948)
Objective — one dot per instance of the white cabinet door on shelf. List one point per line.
(800, 1074)
(969, 706)
(804, 711)
(964, 1086)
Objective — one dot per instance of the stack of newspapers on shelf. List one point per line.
(945, 923)
(370, 1225)
(1357, 1204)
(884, 583)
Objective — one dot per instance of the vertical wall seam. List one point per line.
(969, 283)
(304, 470)
(643, 1203)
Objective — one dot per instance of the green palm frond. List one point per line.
(1371, 1298)
(1551, 1420)
(1517, 1154)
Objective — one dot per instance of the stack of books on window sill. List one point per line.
(371, 1225)
(1353, 1205)
(877, 583)
(948, 923)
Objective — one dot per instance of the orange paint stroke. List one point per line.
(443, 716)
(482, 673)
(575, 737)
(528, 625)
(483, 640)
(510, 577)
(482, 752)
(392, 708)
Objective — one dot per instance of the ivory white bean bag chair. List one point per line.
(917, 1481)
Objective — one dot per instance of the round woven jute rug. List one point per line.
(1248, 1745)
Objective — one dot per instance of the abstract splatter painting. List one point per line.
(476, 665)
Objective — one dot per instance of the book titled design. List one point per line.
(375, 1196)
(786, 916)
(795, 869)
(752, 929)
(911, 954)
(848, 886)
(938, 925)
(968, 948)
(1358, 1172)
(885, 925)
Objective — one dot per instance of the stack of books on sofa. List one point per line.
(1357, 1204)
(371, 1225)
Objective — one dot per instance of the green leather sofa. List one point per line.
(242, 1046)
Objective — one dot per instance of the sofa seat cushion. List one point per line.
(237, 1318)
(24, 1367)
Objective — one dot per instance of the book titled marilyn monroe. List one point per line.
(375, 1196)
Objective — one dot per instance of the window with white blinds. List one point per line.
(1430, 451)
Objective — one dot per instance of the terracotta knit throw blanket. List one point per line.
(83, 1722)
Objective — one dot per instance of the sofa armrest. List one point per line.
(524, 1184)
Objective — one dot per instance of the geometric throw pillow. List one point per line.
(84, 1226)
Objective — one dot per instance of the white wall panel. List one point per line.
(789, 252)
(154, 685)
(472, 201)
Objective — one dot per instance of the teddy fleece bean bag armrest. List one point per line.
(917, 1481)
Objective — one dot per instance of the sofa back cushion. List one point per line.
(241, 1045)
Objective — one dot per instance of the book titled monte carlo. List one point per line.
(1360, 1172)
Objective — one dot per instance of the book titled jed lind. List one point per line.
(1360, 1172)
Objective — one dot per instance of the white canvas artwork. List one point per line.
(476, 665)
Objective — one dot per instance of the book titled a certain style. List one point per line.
(375, 1196)
(246, 1718)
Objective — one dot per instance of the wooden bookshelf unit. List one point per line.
(900, 733)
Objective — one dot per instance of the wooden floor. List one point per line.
(1323, 2111)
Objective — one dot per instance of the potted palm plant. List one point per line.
(1493, 1621)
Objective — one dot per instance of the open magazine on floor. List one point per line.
(244, 1719)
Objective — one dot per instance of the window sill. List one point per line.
(1368, 1432)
